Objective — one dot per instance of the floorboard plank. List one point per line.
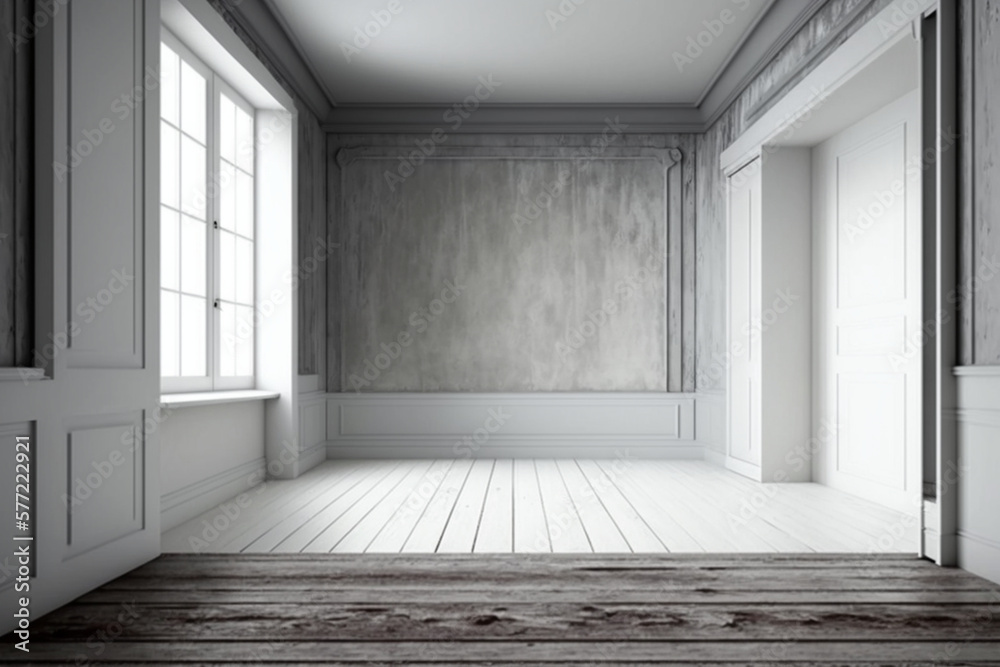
(604, 534)
(397, 530)
(496, 529)
(531, 534)
(460, 532)
(566, 531)
(427, 532)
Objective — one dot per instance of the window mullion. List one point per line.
(213, 255)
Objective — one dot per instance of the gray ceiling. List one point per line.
(540, 51)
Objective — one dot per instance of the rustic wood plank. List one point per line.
(740, 652)
(581, 621)
(532, 608)
(404, 594)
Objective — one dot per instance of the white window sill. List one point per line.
(195, 399)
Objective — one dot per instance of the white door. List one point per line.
(867, 258)
(91, 425)
(744, 303)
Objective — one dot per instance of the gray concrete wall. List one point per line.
(314, 250)
(979, 159)
(506, 264)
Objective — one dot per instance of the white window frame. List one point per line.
(221, 382)
(213, 379)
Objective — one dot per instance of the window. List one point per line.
(207, 199)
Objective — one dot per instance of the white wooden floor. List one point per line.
(523, 505)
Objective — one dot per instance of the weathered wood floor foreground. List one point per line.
(518, 609)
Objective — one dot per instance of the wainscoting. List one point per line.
(536, 425)
(978, 469)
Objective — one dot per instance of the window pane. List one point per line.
(227, 196)
(193, 334)
(244, 271)
(193, 109)
(192, 178)
(244, 341)
(244, 140)
(169, 339)
(169, 249)
(227, 341)
(193, 259)
(169, 84)
(227, 266)
(169, 165)
(227, 129)
(244, 204)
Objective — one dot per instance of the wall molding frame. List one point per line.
(511, 425)
(678, 263)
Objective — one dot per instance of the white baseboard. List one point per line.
(710, 424)
(312, 430)
(190, 501)
(536, 425)
(978, 417)
(979, 556)
(715, 458)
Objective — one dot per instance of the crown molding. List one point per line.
(782, 21)
(513, 118)
(278, 45)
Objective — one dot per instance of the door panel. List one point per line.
(867, 277)
(92, 421)
(744, 302)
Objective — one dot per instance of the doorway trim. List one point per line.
(899, 20)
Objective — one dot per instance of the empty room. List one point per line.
(500, 332)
